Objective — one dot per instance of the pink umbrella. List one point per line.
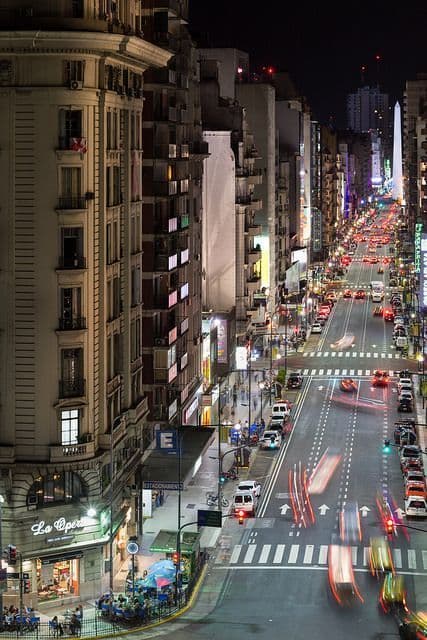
(162, 582)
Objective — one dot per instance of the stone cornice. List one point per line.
(138, 50)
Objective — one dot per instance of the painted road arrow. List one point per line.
(400, 513)
(364, 511)
(323, 509)
(284, 508)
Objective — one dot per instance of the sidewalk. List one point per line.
(420, 582)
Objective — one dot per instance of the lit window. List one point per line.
(70, 419)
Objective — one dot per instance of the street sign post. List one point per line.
(209, 518)
(167, 486)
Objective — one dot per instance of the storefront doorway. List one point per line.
(57, 580)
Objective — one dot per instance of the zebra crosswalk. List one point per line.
(342, 372)
(310, 554)
(352, 354)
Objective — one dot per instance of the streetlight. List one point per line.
(261, 388)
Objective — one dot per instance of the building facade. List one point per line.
(73, 410)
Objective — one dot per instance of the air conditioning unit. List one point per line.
(76, 85)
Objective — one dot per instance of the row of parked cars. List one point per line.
(405, 393)
(411, 463)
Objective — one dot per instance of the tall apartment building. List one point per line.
(73, 411)
(171, 225)
(414, 105)
(368, 110)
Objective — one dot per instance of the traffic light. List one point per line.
(389, 526)
(222, 479)
(11, 554)
(241, 516)
(175, 558)
(386, 446)
(27, 586)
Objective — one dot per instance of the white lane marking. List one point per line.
(264, 553)
(337, 372)
(359, 372)
(340, 354)
(344, 372)
(333, 354)
(375, 355)
(354, 555)
(397, 558)
(308, 555)
(352, 372)
(278, 554)
(424, 554)
(412, 559)
(249, 553)
(323, 554)
(293, 555)
(313, 372)
(367, 372)
(365, 556)
(326, 354)
(236, 553)
(305, 372)
(329, 372)
(321, 372)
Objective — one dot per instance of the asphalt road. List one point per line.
(269, 579)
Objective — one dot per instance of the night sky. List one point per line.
(323, 45)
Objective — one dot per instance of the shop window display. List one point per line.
(57, 579)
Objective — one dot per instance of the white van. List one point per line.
(280, 410)
(245, 501)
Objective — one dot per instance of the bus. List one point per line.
(377, 291)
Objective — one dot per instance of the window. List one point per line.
(135, 333)
(57, 488)
(72, 383)
(71, 308)
(71, 181)
(74, 70)
(77, 8)
(70, 126)
(112, 129)
(136, 286)
(70, 423)
(71, 246)
(113, 186)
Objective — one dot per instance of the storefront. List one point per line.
(58, 577)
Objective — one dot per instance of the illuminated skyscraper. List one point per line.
(397, 192)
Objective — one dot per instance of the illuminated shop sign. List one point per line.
(417, 244)
(423, 271)
(42, 528)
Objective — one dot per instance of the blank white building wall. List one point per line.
(219, 224)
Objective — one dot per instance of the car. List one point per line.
(380, 378)
(321, 320)
(325, 309)
(409, 451)
(348, 384)
(393, 593)
(366, 258)
(404, 386)
(245, 501)
(331, 295)
(360, 294)
(416, 506)
(295, 381)
(378, 311)
(316, 327)
(380, 270)
(380, 558)
(405, 406)
(347, 293)
(388, 315)
(405, 394)
(399, 320)
(415, 488)
(374, 260)
(270, 440)
(350, 529)
(414, 476)
(250, 485)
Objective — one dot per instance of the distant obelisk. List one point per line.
(397, 193)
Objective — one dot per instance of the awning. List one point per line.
(165, 542)
(163, 467)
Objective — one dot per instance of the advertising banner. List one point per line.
(423, 271)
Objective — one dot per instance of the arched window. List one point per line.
(56, 488)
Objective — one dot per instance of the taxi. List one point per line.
(393, 594)
(380, 559)
(348, 384)
(414, 488)
(380, 378)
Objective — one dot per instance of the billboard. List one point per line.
(423, 271)
(292, 278)
(300, 256)
(222, 340)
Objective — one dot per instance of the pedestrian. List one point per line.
(255, 403)
(79, 612)
(242, 394)
(234, 397)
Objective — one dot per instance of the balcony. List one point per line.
(165, 187)
(185, 256)
(184, 221)
(74, 388)
(165, 262)
(72, 262)
(72, 324)
(183, 361)
(164, 412)
(72, 452)
(199, 148)
(184, 326)
(72, 203)
(253, 229)
(76, 144)
(166, 301)
(165, 151)
(166, 374)
(255, 177)
(254, 254)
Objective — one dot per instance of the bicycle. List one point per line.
(212, 500)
